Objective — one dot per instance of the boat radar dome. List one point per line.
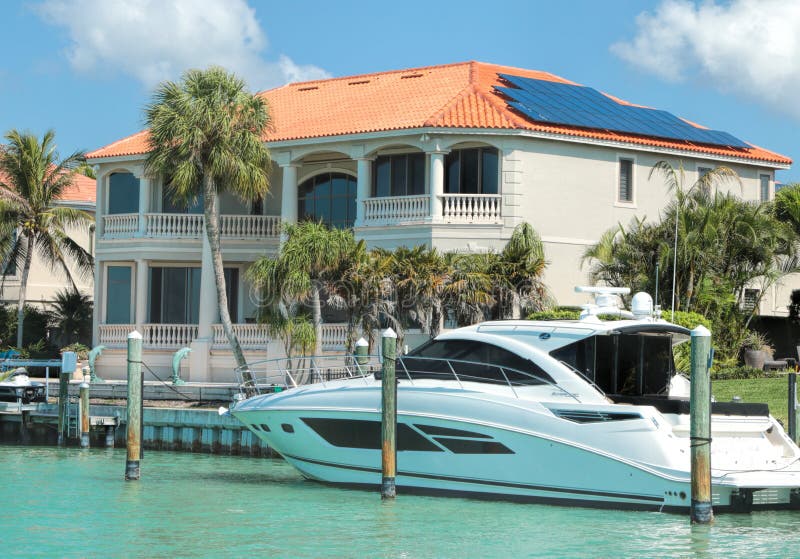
(642, 305)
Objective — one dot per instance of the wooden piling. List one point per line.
(388, 415)
(134, 426)
(84, 391)
(793, 406)
(63, 407)
(700, 427)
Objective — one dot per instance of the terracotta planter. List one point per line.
(755, 358)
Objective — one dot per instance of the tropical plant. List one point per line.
(309, 261)
(71, 314)
(32, 179)
(421, 278)
(787, 205)
(206, 136)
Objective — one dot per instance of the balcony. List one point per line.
(456, 208)
(175, 336)
(189, 226)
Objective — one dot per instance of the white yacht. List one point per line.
(583, 412)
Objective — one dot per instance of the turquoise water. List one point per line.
(73, 503)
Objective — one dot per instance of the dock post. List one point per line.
(700, 427)
(793, 407)
(388, 415)
(84, 391)
(134, 426)
(63, 404)
(362, 349)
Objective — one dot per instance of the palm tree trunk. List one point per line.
(316, 314)
(23, 288)
(211, 209)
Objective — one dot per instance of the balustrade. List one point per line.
(174, 225)
(159, 336)
(396, 208)
(115, 335)
(334, 336)
(120, 225)
(190, 226)
(472, 208)
(251, 336)
(250, 226)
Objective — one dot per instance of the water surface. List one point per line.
(75, 503)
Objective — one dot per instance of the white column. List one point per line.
(99, 208)
(363, 187)
(99, 301)
(289, 194)
(140, 303)
(209, 307)
(436, 184)
(144, 201)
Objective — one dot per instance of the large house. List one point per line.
(451, 156)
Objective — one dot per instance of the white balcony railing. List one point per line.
(251, 336)
(162, 336)
(179, 226)
(334, 336)
(471, 208)
(391, 209)
(115, 335)
(116, 226)
(250, 226)
(190, 226)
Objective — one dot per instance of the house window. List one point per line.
(329, 198)
(471, 171)
(764, 187)
(625, 193)
(171, 206)
(123, 193)
(750, 299)
(118, 295)
(174, 296)
(399, 175)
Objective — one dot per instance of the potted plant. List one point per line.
(756, 349)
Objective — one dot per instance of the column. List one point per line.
(99, 301)
(140, 303)
(289, 193)
(363, 187)
(436, 184)
(99, 208)
(145, 184)
(199, 358)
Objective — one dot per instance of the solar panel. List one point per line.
(575, 105)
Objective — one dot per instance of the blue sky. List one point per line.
(87, 67)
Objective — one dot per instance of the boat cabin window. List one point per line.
(629, 364)
(472, 361)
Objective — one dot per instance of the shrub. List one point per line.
(556, 314)
(80, 349)
(741, 372)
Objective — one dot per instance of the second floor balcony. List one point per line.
(188, 226)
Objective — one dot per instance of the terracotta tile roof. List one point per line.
(450, 96)
(83, 189)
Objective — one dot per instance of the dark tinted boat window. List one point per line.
(361, 433)
(478, 353)
(466, 446)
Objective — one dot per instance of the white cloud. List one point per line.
(154, 40)
(747, 47)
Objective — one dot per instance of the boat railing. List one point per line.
(278, 374)
(583, 376)
(416, 367)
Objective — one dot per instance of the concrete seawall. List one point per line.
(190, 430)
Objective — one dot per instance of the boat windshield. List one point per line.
(632, 364)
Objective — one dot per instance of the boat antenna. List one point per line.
(656, 297)
(675, 255)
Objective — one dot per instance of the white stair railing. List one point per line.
(472, 208)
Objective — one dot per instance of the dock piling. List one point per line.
(700, 427)
(84, 405)
(362, 349)
(793, 407)
(388, 415)
(134, 426)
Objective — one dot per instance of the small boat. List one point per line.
(18, 387)
(585, 412)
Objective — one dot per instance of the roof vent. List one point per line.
(409, 76)
(308, 88)
(358, 82)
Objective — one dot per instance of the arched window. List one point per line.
(123, 193)
(329, 198)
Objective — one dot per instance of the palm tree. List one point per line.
(72, 315)
(32, 179)
(305, 267)
(206, 136)
(422, 275)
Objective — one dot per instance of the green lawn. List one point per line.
(772, 391)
